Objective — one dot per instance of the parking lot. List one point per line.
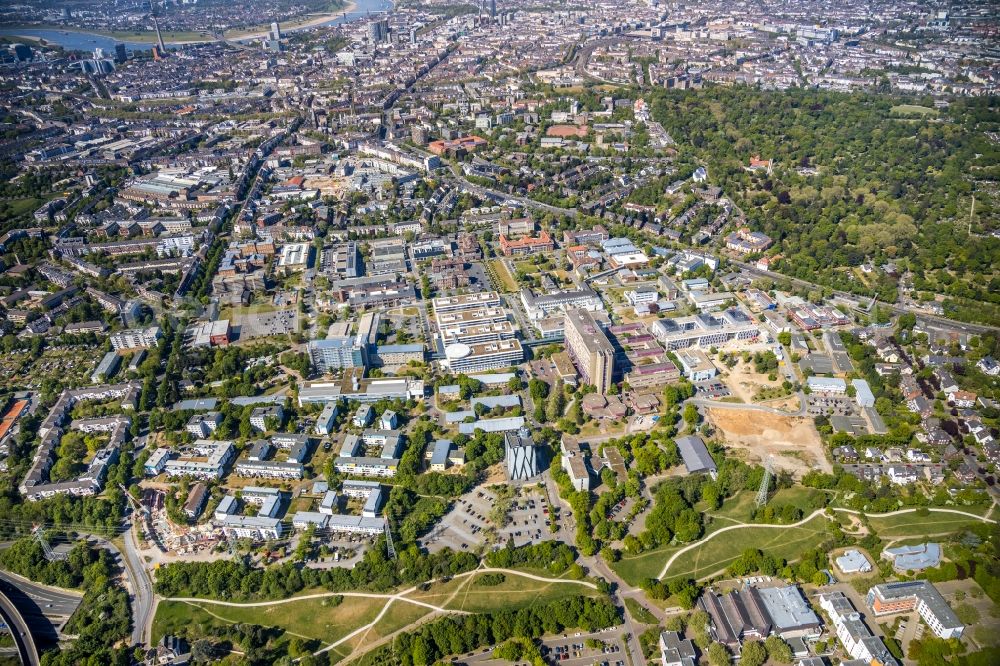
(568, 649)
(265, 324)
(526, 520)
(574, 651)
(468, 524)
(462, 528)
(712, 388)
(831, 405)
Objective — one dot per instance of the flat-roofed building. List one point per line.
(136, 338)
(705, 330)
(590, 349)
(336, 353)
(466, 302)
(696, 365)
(326, 418)
(462, 358)
(328, 504)
(834, 385)
(228, 506)
(397, 354)
(540, 306)
(157, 461)
(294, 257)
(269, 469)
(304, 519)
(854, 634)
(904, 596)
(474, 329)
(790, 613)
(355, 524)
(255, 528)
(107, 367)
(206, 459)
(502, 424)
(365, 390)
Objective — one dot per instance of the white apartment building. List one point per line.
(136, 338)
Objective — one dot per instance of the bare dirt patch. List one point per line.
(745, 383)
(793, 441)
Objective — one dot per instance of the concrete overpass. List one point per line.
(23, 639)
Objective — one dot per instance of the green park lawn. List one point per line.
(914, 109)
(912, 525)
(515, 592)
(400, 615)
(715, 554)
(309, 618)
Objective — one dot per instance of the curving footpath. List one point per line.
(817, 512)
(389, 598)
(25, 642)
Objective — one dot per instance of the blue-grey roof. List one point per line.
(441, 449)
(863, 392)
(497, 401)
(196, 404)
(243, 401)
(695, 454)
(787, 608)
(921, 556)
(227, 505)
(492, 425)
(458, 417)
(493, 378)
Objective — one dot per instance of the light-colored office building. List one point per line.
(590, 349)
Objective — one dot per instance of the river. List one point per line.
(86, 41)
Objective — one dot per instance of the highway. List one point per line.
(51, 601)
(23, 639)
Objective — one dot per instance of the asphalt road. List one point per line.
(52, 602)
(23, 639)
(142, 589)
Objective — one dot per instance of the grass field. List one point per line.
(913, 109)
(399, 615)
(309, 618)
(715, 554)
(526, 266)
(739, 508)
(499, 269)
(515, 592)
(639, 612)
(20, 207)
(912, 525)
